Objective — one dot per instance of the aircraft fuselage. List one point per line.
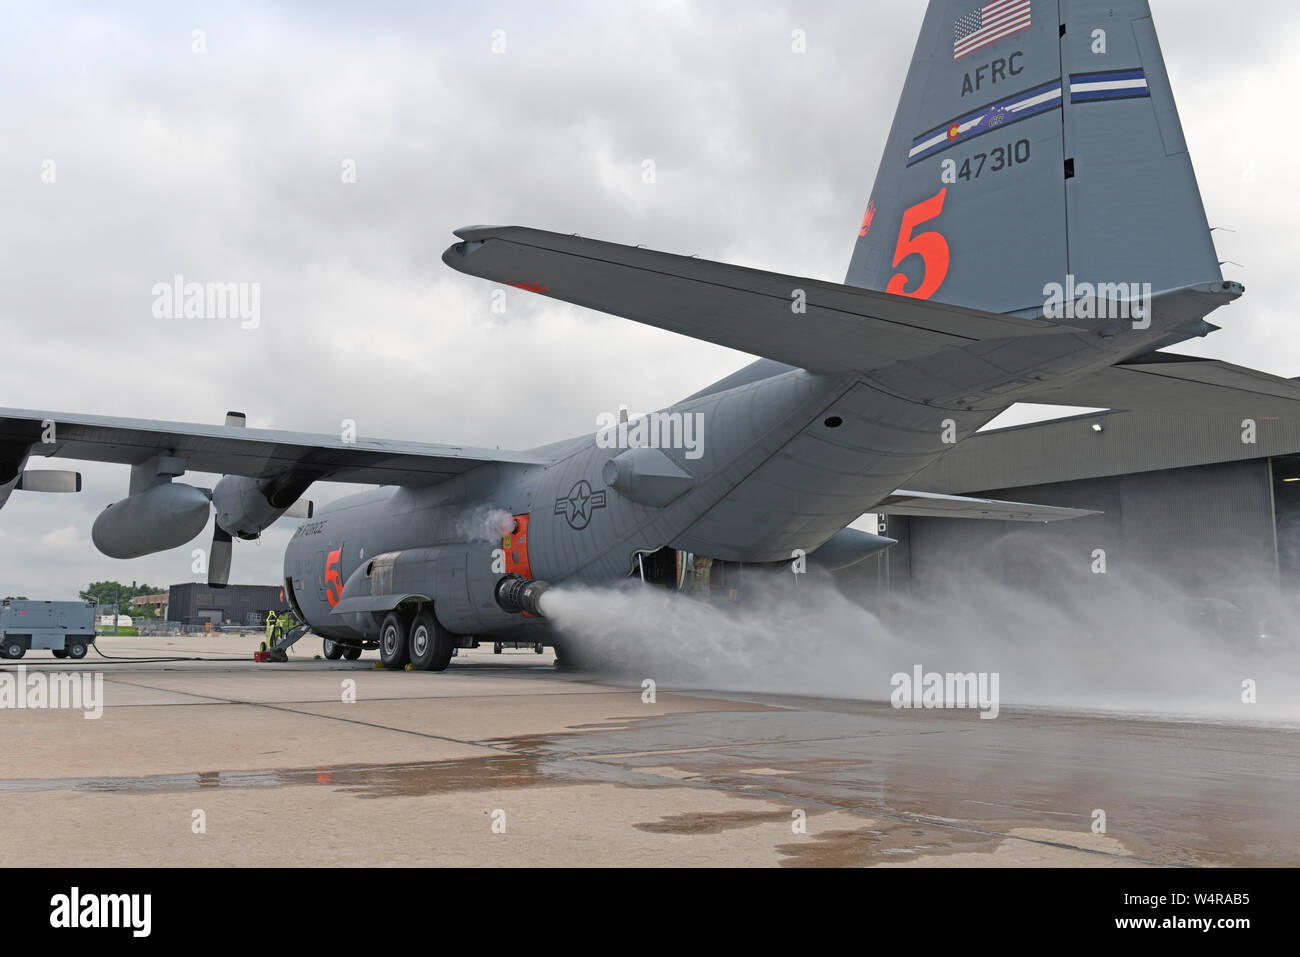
(750, 470)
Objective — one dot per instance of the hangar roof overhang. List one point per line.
(1072, 448)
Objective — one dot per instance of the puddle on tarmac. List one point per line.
(711, 822)
(383, 780)
(879, 841)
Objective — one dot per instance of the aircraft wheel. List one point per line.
(539, 648)
(496, 647)
(394, 651)
(431, 644)
(333, 650)
(352, 652)
(77, 650)
(59, 653)
(14, 649)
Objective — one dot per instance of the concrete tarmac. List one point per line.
(503, 760)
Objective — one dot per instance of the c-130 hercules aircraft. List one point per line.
(1035, 143)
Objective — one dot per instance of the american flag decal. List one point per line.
(987, 24)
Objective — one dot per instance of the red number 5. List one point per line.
(333, 580)
(931, 246)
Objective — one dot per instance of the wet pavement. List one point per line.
(505, 760)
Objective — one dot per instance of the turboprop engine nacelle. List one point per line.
(165, 516)
(7, 487)
(248, 506)
(11, 473)
(15, 476)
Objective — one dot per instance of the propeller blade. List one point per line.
(219, 558)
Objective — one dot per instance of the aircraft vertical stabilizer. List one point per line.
(1033, 141)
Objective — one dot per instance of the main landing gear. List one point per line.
(416, 639)
(334, 650)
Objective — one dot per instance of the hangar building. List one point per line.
(1210, 504)
(193, 603)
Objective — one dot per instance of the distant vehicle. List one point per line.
(66, 628)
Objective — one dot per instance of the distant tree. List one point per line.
(106, 593)
(16, 598)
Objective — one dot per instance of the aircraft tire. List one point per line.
(394, 651)
(352, 652)
(431, 645)
(332, 649)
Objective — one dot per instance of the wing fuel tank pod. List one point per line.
(646, 476)
(165, 516)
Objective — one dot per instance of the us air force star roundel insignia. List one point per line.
(577, 508)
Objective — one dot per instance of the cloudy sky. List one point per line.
(219, 156)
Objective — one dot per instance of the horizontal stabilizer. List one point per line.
(847, 547)
(1168, 382)
(819, 326)
(934, 505)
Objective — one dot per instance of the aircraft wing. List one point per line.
(235, 450)
(935, 505)
(843, 328)
(1169, 382)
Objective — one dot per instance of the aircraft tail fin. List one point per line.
(1034, 141)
